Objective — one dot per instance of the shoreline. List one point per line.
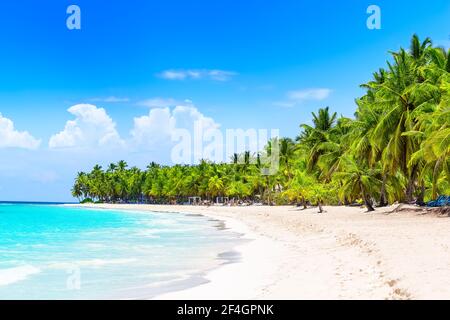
(344, 253)
(218, 285)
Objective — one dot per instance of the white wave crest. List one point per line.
(12, 275)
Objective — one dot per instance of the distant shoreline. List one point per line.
(344, 253)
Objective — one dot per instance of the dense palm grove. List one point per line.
(396, 149)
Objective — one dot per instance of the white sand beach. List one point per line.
(344, 253)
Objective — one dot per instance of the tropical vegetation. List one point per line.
(396, 148)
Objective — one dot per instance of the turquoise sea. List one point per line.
(57, 252)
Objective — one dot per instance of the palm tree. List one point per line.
(434, 129)
(216, 186)
(403, 95)
(299, 187)
(287, 149)
(440, 58)
(418, 49)
(317, 193)
(395, 149)
(358, 181)
(80, 187)
(314, 137)
(122, 165)
(337, 144)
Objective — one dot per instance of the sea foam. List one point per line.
(12, 275)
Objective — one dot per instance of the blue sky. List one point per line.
(237, 64)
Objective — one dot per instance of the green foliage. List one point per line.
(397, 148)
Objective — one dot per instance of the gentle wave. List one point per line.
(90, 263)
(12, 275)
(113, 254)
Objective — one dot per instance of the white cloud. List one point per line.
(211, 74)
(154, 128)
(220, 75)
(111, 99)
(92, 127)
(185, 116)
(299, 96)
(309, 94)
(157, 128)
(158, 103)
(11, 138)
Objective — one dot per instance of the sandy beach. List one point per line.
(344, 253)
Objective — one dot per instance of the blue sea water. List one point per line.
(57, 252)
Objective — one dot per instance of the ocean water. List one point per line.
(56, 252)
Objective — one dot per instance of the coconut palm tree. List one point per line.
(216, 186)
(287, 149)
(396, 148)
(358, 181)
(313, 137)
(418, 49)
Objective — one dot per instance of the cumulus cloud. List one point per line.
(158, 127)
(153, 128)
(211, 74)
(92, 127)
(11, 138)
(158, 103)
(299, 96)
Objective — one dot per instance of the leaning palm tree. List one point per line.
(358, 181)
(80, 187)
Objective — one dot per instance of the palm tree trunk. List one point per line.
(383, 202)
(366, 198)
(288, 171)
(368, 203)
(319, 203)
(410, 187)
(421, 197)
(434, 190)
(304, 203)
